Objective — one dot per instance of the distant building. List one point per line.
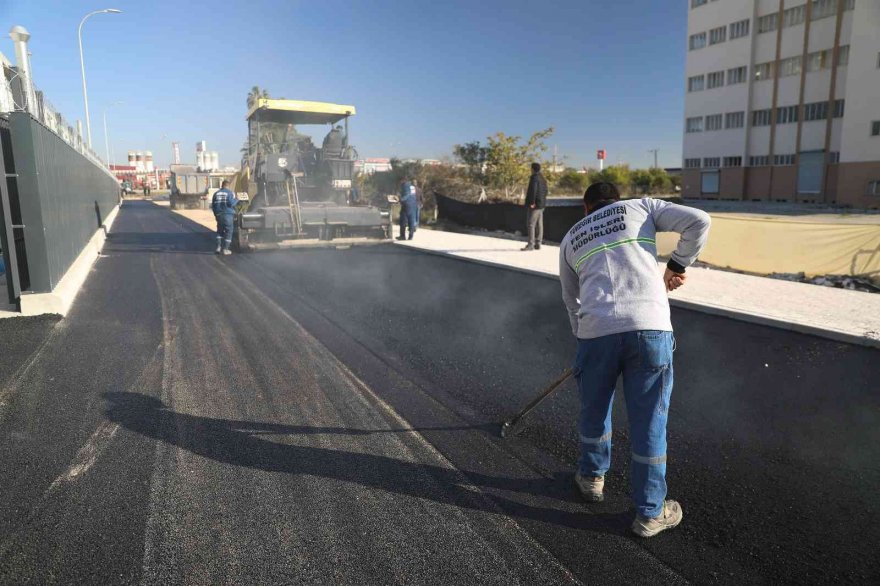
(781, 101)
(370, 166)
(155, 178)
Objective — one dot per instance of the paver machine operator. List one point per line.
(301, 194)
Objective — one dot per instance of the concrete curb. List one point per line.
(718, 310)
(62, 296)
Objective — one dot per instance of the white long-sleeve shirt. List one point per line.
(608, 265)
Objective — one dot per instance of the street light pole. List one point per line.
(106, 135)
(655, 151)
(82, 65)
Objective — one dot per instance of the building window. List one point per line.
(716, 79)
(695, 3)
(875, 128)
(767, 24)
(818, 60)
(761, 117)
(695, 124)
(692, 163)
(717, 35)
(696, 83)
(759, 161)
(783, 159)
(764, 71)
(834, 157)
(786, 114)
(826, 8)
(711, 162)
(697, 41)
(734, 119)
(873, 188)
(709, 182)
(790, 66)
(793, 16)
(739, 29)
(733, 161)
(838, 108)
(713, 122)
(737, 75)
(815, 111)
(843, 56)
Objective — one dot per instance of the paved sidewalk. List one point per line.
(850, 316)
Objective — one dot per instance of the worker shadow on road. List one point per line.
(244, 443)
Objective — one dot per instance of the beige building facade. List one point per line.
(783, 101)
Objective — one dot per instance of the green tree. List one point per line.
(660, 180)
(619, 175)
(255, 94)
(570, 181)
(473, 155)
(641, 179)
(508, 159)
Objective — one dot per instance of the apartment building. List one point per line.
(783, 101)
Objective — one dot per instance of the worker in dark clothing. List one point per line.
(409, 208)
(536, 198)
(619, 312)
(223, 205)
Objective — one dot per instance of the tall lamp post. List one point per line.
(106, 134)
(82, 65)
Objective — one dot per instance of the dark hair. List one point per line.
(601, 192)
(536, 167)
(223, 184)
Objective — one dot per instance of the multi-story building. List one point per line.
(783, 101)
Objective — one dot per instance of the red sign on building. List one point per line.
(600, 154)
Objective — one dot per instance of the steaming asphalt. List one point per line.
(331, 417)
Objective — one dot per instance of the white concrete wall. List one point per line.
(759, 141)
(813, 135)
(862, 87)
(722, 56)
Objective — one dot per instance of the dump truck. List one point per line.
(191, 188)
(300, 194)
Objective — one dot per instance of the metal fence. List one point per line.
(15, 96)
(559, 215)
(64, 199)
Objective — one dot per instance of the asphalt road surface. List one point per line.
(331, 416)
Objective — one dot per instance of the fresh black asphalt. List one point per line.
(331, 416)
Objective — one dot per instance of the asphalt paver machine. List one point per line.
(300, 194)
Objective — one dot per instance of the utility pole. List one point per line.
(655, 151)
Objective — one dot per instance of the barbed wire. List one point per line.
(14, 97)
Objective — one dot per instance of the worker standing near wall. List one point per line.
(223, 204)
(619, 312)
(409, 208)
(536, 198)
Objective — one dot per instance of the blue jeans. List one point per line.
(409, 216)
(225, 227)
(645, 359)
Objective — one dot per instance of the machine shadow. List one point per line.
(243, 443)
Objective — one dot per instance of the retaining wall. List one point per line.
(64, 197)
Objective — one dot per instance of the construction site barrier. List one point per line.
(64, 197)
(754, 244)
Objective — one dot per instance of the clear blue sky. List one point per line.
(424, 75)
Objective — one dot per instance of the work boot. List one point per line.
(669, 518)
(537, 247)
(528, 247)
(226, 252)
(590, 488)
(401, 238)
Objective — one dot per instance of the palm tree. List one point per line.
(255, 94)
